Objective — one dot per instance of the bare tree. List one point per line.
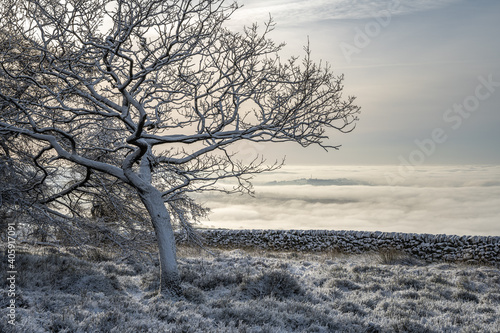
(168, 88)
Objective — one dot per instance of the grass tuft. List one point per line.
(279, 284)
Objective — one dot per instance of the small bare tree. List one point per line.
(153, 94)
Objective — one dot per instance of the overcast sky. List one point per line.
(425, 71)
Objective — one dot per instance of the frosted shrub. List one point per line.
(439, 280)
(212, 280)
(342, 284)
(395, 257)
(349, 307)
(403, 283)
(95, 254)
(279, 284)
(406, 325)
(194, 295)
(150, 281)
(61, 323)
(466, 296)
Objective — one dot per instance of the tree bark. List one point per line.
(160, 218)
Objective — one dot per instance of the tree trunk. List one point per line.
(160, 217)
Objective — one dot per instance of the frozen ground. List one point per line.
(253, 291)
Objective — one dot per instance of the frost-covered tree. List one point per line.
(153, 94)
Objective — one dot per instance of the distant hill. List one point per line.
(319, 182)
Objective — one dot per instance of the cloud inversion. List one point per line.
(451, 200)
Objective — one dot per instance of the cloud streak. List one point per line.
(299, 11)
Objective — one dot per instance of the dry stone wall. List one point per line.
(472, 249)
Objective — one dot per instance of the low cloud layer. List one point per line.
(452, 200)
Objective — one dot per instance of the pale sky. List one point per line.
(425, 71)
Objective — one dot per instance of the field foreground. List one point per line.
(253, 291)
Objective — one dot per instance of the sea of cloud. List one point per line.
(460, 200)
